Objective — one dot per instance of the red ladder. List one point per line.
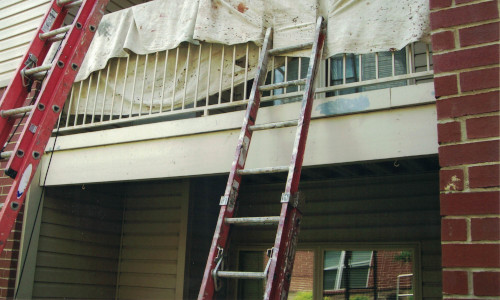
(44, 111)
(279, 268)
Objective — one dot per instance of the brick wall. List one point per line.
(465, 35)
(9, 256)
(303, 271)
(388, 269)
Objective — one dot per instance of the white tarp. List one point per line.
(153, 82)
(354, 26)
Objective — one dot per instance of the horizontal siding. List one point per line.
(403, 209)
(19, 20)
(78, 246)
(203, 211)
(18, 23)
(152, 241)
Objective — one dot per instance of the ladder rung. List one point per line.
(57, 38)
(5, 154)
(241, 275)
(253, 221)
(16, 111)
(298, 47)
(39, 69)
(74, 4)
(55, 32)
(68, 3)
(274, 86)
(274, 125)
(263, 170)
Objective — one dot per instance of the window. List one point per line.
(365, 67)
(367, 274)
(346, 268)
(360, 273)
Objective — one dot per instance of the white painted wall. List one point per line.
(385, 129)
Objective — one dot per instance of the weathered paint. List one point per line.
(53, 93)
(221, 235)
(280, 269)
(344, 106)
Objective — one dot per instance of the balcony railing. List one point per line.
(198, 80)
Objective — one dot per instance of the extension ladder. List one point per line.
(278, 271)
(44, 110)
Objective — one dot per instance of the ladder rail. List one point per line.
(16, 93)
(55, 88)
(220, 238)
(281, 266)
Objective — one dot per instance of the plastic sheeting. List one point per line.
(155, 82)
(360, 27)
(354, 26)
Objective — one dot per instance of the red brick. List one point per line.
(484, 176)
(464, 15)
(434, 4)
(471, 255)
(5, 181)
(479, 79)
(485, 229)
(468, 58)
(449, 132)
(451, 180)
(483, 127)
(468, 105)
(453, 230)
(455, 282)
(445, 86)
(455, 155)
(486, 283)
(460, 204)
(443, 41)
(478, 34)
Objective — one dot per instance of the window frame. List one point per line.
(319, 250)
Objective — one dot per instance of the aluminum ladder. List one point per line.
(278, 271)
(43, 112)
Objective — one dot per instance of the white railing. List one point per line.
(398, 289)
(197, 80)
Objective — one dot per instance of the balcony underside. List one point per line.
(377, 125)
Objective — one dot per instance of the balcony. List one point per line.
(192, 81)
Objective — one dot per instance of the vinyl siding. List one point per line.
(19, 20)
(123, 241)
(78, 245)
(378, 210)
(153, 242)
(362, 211)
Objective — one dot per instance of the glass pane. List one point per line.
(251, 261)
(301, 286)
(360, 257)
(329, 278)
(367, 274)
(331, 259)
